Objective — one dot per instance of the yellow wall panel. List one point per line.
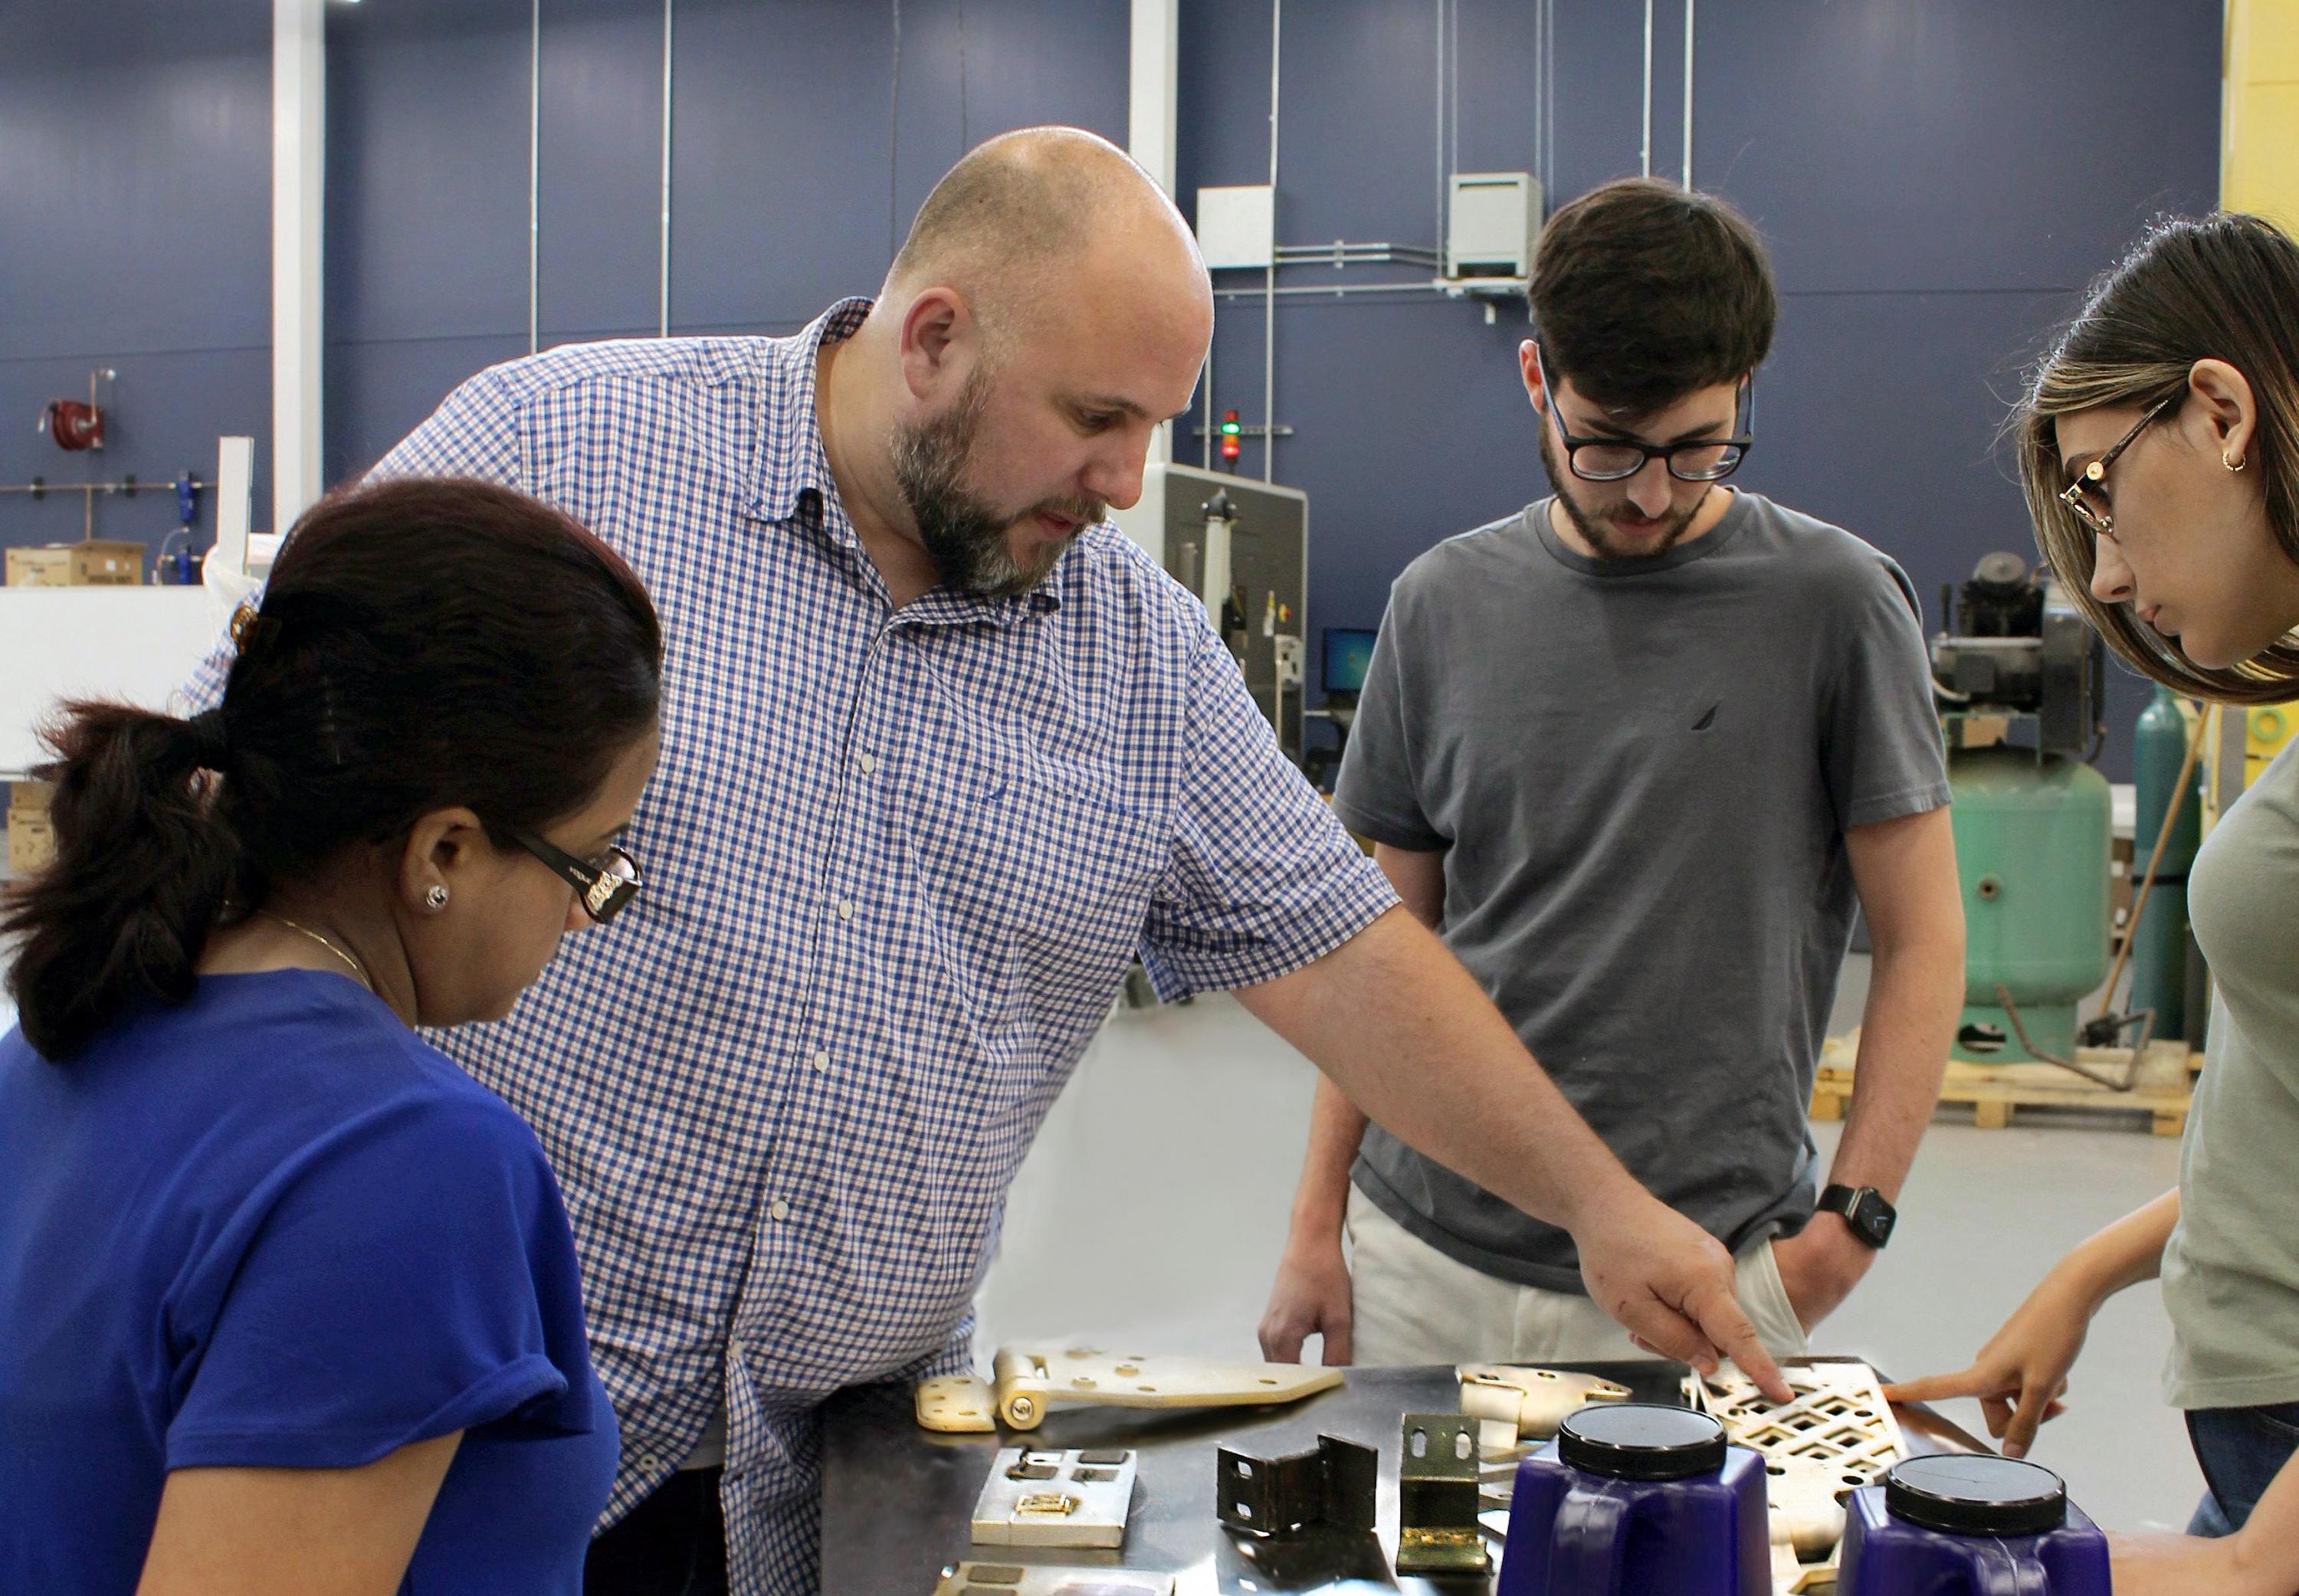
(2259, 168)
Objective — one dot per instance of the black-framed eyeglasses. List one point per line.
(605, 886)
(1616, 460)
(2088, 494)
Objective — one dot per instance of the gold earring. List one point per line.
(2231, 463)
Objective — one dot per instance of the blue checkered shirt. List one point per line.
(897, 862)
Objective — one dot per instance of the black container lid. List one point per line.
(1977, 1495)
(1640, 1440)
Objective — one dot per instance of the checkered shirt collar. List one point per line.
(782, 490)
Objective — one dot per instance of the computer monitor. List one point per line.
(1349, 649)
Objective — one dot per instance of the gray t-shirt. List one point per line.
(2231, 1272)
(1641, 774)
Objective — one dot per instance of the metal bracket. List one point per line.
(1437, 1505)
(1332, 1485)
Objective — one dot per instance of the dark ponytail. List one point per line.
(142, 867)
(421, 645)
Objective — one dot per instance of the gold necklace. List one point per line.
(357, 968)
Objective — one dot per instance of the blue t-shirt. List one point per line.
(272, 1229)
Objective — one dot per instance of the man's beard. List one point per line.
(964, 536)
(1598, 535)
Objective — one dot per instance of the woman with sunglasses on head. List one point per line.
(2160, 445)
(288, 1303)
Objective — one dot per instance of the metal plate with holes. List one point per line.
(1837, 1434)
(1437, 1492)
(1016, 1579)
(957, 1405)
(1330, 1487)
(1517, 1403)
(1049, 1498)
(1027, 1382)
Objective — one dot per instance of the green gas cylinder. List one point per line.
(2159, 942)
(2031, 848)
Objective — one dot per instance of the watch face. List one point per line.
(1873, 1218)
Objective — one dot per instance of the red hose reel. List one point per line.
(73, 423)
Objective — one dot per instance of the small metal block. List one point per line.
(1437, 1482)
(1333, 1485)
(1018, 1508)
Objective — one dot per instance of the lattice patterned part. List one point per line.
(1839, 1420)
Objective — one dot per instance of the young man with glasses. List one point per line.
(1637, 752)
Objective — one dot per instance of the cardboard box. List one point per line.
(100, 562)
(31, 836)
(31, 841)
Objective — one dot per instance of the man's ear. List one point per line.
(1528, 361)
(940, 336)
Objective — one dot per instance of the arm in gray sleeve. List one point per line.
(1882, 758)
(1377, 796)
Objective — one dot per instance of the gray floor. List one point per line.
(1154, 1206)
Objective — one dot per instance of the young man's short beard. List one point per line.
(1598, 534)
(964, 536)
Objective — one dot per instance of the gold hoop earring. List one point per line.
(2231, 463)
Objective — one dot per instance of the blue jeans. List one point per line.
(2240, 1449)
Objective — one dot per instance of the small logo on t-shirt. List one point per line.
(1707, 720)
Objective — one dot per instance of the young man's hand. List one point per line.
(1820, 1265)
(1311, 1297)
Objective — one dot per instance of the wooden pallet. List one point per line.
(1996, 1091)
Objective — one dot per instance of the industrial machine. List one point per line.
(1242, 547)
(2019, 679)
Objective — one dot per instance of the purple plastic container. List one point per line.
(1638, 1501)
(1978, 1525)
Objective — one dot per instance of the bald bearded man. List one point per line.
(941, 751)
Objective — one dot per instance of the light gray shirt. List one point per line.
(1641, 774)
(2231, 1270)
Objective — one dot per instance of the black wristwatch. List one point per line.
(1871, 1217)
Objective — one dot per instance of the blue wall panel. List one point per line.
(1935, 183)
(427, 210)
(1934, 189)
(135, 182)
(781, 160)
(601, 168)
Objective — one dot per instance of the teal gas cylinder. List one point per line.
(2031, 850)
(2159, 943)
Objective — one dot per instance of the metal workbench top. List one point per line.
(898, 1502)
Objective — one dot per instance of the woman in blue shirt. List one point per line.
(287, 1302)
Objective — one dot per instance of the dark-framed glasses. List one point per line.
(1616, 460)
(605, 885)
(2088, 494)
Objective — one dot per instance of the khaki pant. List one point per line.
(1413, 1304)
